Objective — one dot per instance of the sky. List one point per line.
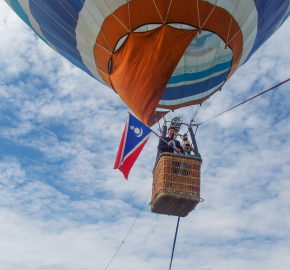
(62, 206)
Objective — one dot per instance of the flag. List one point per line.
(135, 136)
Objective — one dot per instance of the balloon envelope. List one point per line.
(155, 53)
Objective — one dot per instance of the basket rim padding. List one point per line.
(174, 155)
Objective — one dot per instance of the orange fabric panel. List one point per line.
(102, 41)
(183, 11)
(99, 66)
(156, 117)
(163, 7)
(144, 64)
(106, 78)
(122, 14)
(234, 29)
(224, 19)
(207, 10)
(102, 56)
(113, 29)
(143, 12)
(218, 22)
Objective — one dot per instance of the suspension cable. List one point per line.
(246, 101)
(123, 242)
(174, 243)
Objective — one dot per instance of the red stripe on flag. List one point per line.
(130, 160)
(117, 162)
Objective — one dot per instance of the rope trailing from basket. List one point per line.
(174, 243)
(246, 101)
(123, 242)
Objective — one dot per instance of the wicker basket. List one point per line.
(176, 184)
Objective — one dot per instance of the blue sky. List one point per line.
(62, 206)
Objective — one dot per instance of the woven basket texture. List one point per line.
(176, 184)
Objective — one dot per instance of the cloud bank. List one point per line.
(64, 207)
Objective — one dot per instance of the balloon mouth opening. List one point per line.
(202, 70)
(149, 27)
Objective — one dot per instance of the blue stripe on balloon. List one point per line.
(21, 13)
(184, 91)
(286, 17)
(58, 21)
(66, 52)
(78, 4)
(270, 15)
(200, 75)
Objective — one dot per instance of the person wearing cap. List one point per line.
(172, 145)
(187, 148)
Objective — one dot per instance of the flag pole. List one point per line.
(157, 135)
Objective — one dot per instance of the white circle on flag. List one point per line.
(138, 132)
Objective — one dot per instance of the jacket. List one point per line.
(163, 147)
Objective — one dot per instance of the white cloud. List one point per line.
(64, 207)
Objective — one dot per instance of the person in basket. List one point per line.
(187, 149)
(172, 145)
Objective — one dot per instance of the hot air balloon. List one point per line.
(155, 53)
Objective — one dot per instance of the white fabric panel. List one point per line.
(213, 1)
(182, 26)
(187, 99)
(99, 10)
(115, 4)
(110, 3)
(243, 10)
(83, 37)
(25, 6)
(88, 23)
(88, 59)
(203, 61)
(91, 18)
(245, 13)
(147, 27)
(230, 6)
(197, 81)
(90, 64)
(114, 7)
(247, 47)
(91, 14)
(250, 25)
(87, 31)
(9, 4)
(98, 7)
(248, 43)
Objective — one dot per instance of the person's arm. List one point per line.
(182, 151)
(162, 146)
(192, 151)
(178, 146)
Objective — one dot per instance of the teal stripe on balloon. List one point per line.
(21, 13)
(200, 75)
(286, 17)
